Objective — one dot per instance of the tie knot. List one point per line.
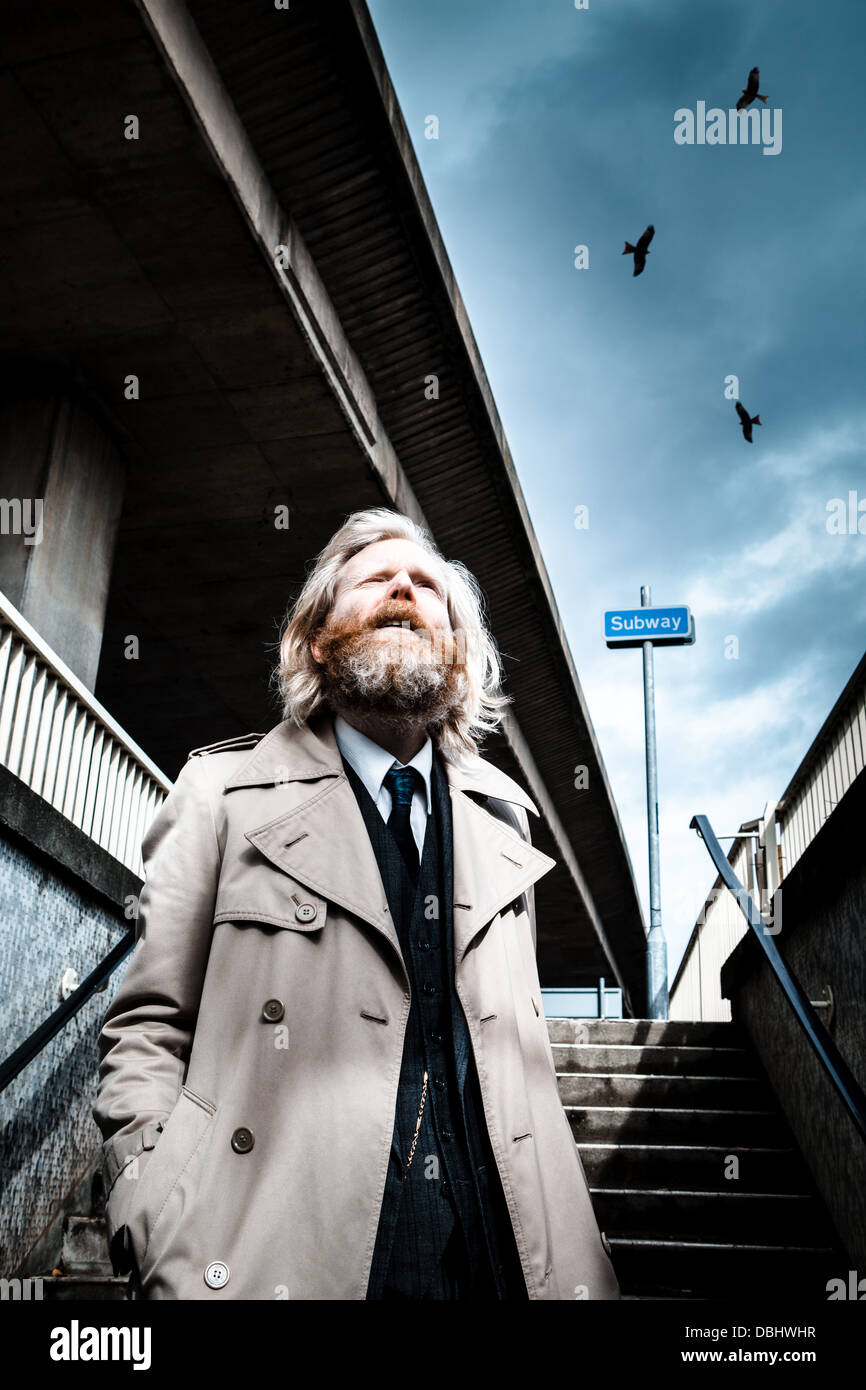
(401, 783)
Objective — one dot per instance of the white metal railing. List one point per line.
(66, 747)
(841, 760)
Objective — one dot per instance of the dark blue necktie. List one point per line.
(401, 782)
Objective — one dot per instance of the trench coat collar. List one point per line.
(322, 840)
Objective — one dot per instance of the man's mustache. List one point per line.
(388, 613)
(446, 646)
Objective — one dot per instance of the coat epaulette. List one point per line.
(226, 745)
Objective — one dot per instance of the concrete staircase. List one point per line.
(658, 1112)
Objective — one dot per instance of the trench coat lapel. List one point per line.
(492, 865)
(321, 839)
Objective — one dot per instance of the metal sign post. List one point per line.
(656, 947)
(647, 627)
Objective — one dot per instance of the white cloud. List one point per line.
(762, 573)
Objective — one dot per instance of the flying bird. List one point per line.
(750, 91)
(640, 252)
(747, 421)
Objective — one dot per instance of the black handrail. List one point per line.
(33, 1045)
(828, 1053)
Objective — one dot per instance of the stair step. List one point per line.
(724, 1270)
(656, 1060)
(703, 1092)
(763, 1217)
(63, 1288)
(630, 1124)
(643, 1031)
(85, 1246)
(698, 1167)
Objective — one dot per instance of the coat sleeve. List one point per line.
(147, 1030)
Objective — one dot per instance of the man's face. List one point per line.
(383, 578)
(387, 644)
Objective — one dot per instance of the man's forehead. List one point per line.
(391, 554)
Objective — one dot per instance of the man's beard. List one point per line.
(409, 681)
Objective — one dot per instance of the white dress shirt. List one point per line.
(371, 762)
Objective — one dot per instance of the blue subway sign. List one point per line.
(664, 627)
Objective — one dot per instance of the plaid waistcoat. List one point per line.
(453, 1176)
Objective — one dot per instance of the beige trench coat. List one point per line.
(261, 1021)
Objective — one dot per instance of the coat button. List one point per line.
(216, 1275)
(273, 1010)
(306, 912)
(242, 1140)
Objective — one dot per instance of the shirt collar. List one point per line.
(371, 761)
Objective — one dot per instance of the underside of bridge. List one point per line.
(274, 379)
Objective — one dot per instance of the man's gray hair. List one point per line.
(299, 679)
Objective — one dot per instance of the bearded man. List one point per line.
(327, 1073)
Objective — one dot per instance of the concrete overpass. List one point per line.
(169, 379)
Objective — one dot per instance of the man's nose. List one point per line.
(401, 586)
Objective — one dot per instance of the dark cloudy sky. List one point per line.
(556, 129)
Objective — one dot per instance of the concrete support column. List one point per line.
(62, 482)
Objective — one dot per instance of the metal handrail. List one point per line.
(19, 1059)
(827, 1052)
